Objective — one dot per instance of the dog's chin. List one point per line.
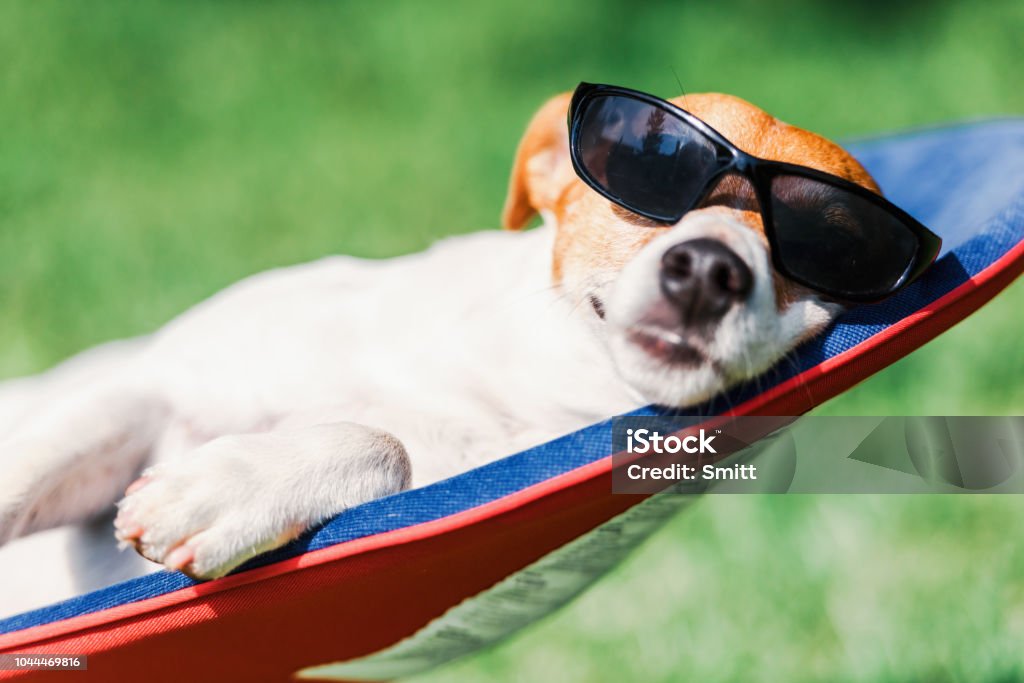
(666, 367)
(671, 366)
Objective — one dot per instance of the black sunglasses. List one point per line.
(659, 161)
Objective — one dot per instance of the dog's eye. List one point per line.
(828, 203)
(839, 216)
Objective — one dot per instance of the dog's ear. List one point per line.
(542, 167)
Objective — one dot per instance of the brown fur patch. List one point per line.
(757, 132)
(538, 168)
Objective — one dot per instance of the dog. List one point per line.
(303, 391)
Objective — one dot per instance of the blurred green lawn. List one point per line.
(152, 153)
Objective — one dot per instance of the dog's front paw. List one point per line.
(205, 514)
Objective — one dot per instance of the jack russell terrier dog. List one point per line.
(685, 246)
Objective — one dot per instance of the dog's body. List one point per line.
(302, 391)
(319, 344)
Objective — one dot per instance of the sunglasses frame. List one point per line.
(759, 173)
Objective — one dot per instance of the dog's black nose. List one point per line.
(703, 278)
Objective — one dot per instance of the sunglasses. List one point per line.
(826, 233)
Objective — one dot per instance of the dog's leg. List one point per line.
(238, 496)
(22, 397)
(78, 435)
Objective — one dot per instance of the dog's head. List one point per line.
(690, 308)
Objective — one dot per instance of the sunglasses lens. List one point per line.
(838, 242)
(643, 157)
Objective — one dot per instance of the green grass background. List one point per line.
(152, 153)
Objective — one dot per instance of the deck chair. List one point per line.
(399, 584)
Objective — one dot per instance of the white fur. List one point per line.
(302, 391)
